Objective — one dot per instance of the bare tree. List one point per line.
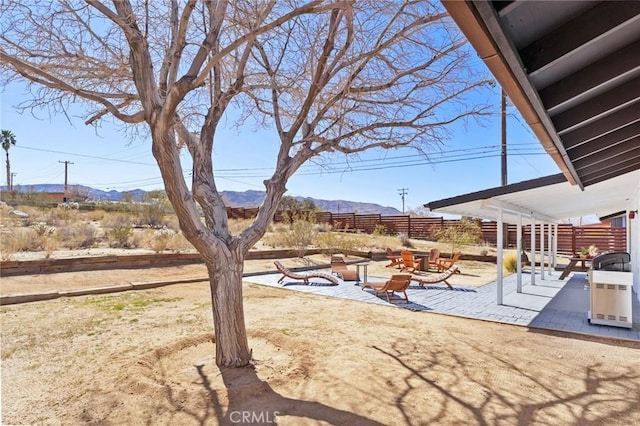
(327, 76)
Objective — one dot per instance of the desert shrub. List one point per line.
(276, 239)
(301, 236)
(43, 230)
(331, 243)
(152, 213)
(464, 231)
(60, 216)
(121, 236)
(179, 243)
(115, 207)
(510, 263)
(379, 230)
(322, 227)
(9, 244)
(279, 227)
(328, 242)
(347, 243)
(50, 244)
(405, 241)
(23, 239)
(79, 235)
(484, 250)
(238, 225)
(161, 239)
(117, 220)
(69, 206)
(95, 215)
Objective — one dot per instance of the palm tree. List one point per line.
(8, 139)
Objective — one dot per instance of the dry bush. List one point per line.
(116, 220)
(179, 243)
(10, 243)
(278, 227)
(152, 213)
(61, 216)
(405, 241)
(171, 222)
(50, 243)
(161, 239)
(79, 235)
(510, 263)
(238, 225)
(275, 239)
(95, 215)
(24, 239)
(332, 242)
(121, 236)
(323, 227)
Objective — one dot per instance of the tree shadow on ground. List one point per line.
(601, 396)
(245, 399)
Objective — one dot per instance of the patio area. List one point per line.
(550, 304)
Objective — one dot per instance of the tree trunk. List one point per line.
(232, 347)
(8, 173)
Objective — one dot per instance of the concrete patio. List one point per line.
(549, 304)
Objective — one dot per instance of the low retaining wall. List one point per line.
(96, 263)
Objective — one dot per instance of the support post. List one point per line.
(519, 254)
(499, 238)
(542, 251)
(533, 250)
(549, 243)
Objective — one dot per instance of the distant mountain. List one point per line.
(232, 198)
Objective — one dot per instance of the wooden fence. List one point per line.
(570, 238)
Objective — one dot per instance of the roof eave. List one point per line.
(494, 192)
(473, 19)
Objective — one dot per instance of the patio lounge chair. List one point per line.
(444, 264)
(434, 279)
(339, 268)
(396, 261)
(409, 261)
(304, 276)
(397, 282)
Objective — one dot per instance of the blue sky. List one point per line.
(106, 159)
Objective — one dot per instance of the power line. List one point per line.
(355, 165)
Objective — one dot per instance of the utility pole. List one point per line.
(402, 192)
(66, 174)
(11, 182)
(503, 151)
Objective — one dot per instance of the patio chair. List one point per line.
(434, 255)
(397, 283)
(444, 263)
(304, 276)
(434, 279)
(410, 262)
(339, 268)
(396, 261)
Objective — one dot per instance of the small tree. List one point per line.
(464, 231)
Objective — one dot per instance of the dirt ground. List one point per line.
(147, 357)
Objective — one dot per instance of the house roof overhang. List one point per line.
(572, 68)
(549, 199)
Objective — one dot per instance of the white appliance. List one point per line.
(610, 286)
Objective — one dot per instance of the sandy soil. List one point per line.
(147, 357)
